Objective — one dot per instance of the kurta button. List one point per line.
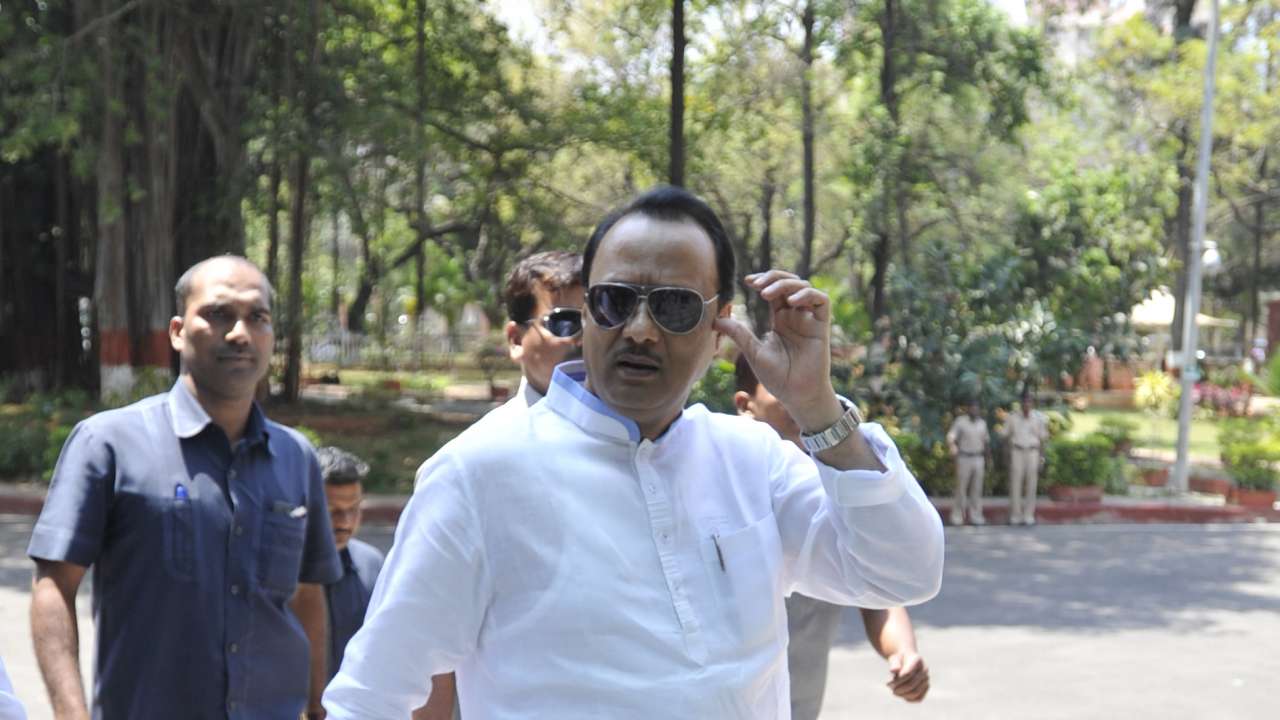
(239, 530)
(235, 589)
(231, 474)
(233, 648)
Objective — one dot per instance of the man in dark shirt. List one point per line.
(207, 529)
(348, 598)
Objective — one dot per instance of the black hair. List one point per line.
(553, 270)
(666, 202)
(339, 467)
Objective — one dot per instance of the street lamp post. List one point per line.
(1191, 306)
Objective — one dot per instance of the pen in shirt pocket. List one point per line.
(180, 492)
(715, 540)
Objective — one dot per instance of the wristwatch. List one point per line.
(834, 435)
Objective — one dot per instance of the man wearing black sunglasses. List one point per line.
(544, 318)
(611, 553)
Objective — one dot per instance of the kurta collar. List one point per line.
(568, 396)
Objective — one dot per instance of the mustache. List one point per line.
(637, 351)
(236, 356)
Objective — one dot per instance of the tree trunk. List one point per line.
(676, 143)
(1182, 236)
(298, 221)
(760, 316)
(273, 222)
(335, 297)
(879, 276)
(111, 301)
(1259, 236)
(806, 105)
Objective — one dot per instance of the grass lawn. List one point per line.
(431, 381)
(1160, 433)
(394, 442)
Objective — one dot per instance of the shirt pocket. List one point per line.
(745, 565)
(179, 537)
(280, 553)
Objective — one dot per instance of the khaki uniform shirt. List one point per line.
(968, 436)
(1026, 431)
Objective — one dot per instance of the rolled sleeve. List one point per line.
(320, 562)
(73, 521)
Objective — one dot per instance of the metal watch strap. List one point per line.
(834, 435)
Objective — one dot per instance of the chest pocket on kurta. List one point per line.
(745, 566)
(280, 552)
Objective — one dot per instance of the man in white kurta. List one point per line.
(591, 558)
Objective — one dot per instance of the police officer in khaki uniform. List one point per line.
(968, 442)
(1026, 431)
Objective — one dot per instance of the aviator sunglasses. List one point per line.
(561, 322)
(676, 310)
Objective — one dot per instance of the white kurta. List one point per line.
(566, 568)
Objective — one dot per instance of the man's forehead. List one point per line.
(230, 282)
(563, 296)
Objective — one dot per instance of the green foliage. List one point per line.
(716, 388)
(1118, 430)
(312, 436)
(929, 461)
(1251, 451)
(1079, 461)
(1273, 376)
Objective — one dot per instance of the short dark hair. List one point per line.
(339, 467)
(182, 289)
(554, 270)
(744, 378)
(666, 202)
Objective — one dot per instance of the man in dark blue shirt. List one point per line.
(348, 598)
(207, 529)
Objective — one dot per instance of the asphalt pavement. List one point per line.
(1067, 621)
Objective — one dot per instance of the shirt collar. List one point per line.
(190, 418)
(568, 396)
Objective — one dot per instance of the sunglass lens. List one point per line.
(564, 322)
(611, 305)
(676, 309)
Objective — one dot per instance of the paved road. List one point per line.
(1073, 621)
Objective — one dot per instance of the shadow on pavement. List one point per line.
(1100, 578)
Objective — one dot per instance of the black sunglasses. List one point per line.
(676, 310)
(561, 322)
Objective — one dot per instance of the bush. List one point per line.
(1272, 375)
(1251, 452)
(23, 439)
(716, 388)
(1118, 430)
(929, 462)
(1078, 462)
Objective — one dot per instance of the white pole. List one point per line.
(1191, 307)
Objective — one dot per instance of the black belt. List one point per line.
(1026, 447)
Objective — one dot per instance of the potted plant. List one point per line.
(1152, 473)
(1252, 464)
(1076, 468)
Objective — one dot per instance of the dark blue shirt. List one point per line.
(196, 548)
(349, 597)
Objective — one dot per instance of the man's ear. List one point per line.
(514, 338)
(742, 401)
(176, 341)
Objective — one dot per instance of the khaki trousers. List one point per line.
(1024, 473)
(968, 498)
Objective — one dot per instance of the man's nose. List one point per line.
(239, 333)
(640, 327)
